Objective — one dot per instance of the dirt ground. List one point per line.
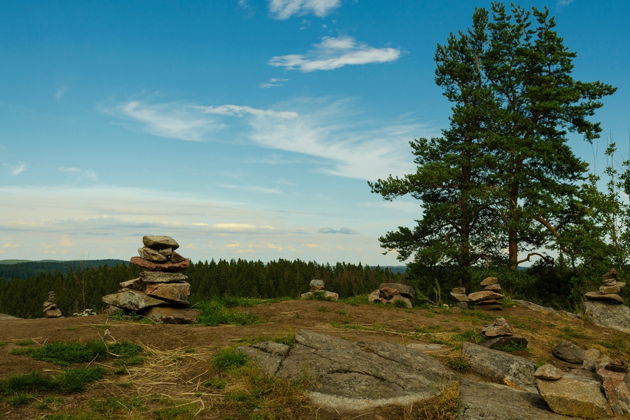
(177, 357)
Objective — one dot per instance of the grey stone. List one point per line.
(497, 328)
(575, 396)
(348, 376)
(133, 284)
(460, 297)
(499, 343)
(429, 347)
(493, 287)
(162, 277)
(177, 258)
(267, 355)
(159, 242)
(166, 315)
(590, 359)
(131, 300)
(609, 289)
(316, 284)
(484, 295)
(488, 281)
(151, 255)
(611, 316)
(499, 366)
(325, 294)
(610, 297)
(174, 292)
(534, 307)
(569, 352)
(488, 401)
(167, 252)
(616, 390)
(403, 289)
(548, 372)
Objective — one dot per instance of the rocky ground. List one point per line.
(177, 378)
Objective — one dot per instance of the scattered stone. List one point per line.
(611, 316)
(610, 297)
(131, 300)
(160, 242)
(174, 292)
(133, 284)
(488, 281)
(50, 308)
(575, 396)
(166, 315)
(569, 352)
(349, 376)
(500, 343)
(499, 327)
(499, 366)
(162, 277)
(169, 266)
(548, 372)
(152, 255)
(488, 401)
(391, 293)
(616, 390)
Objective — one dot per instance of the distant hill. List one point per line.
(22, 269)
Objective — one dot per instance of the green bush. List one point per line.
(68, 381)
(214, 313)
(228, 358)
(63, 353)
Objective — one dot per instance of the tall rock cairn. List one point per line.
(161, 292)
(50, 308)
(608, 291)
(489, 298)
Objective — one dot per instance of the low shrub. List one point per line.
(215, 313)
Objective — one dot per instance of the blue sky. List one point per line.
(244, 129)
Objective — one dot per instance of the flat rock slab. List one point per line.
(162, 277)
(610, 297)
(575, 396)
(484, 295)
(608, 315)
(166, 315)
(160, 242)
(168, 266)
(401, 289)
(501, 367)
(348, 376)
(174, 292)
(489, 401)
(131, 300)
(569, 352)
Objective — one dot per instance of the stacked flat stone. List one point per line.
(460, 296)
(318, 287)
(392, 293)
(500, 334)
(489, 298)
(608, 291)
(50, 308)
(161, 292)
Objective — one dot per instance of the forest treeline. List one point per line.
(78, 290)
(26, 269)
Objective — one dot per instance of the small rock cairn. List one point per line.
(460, 296)
(50, 307)
(489, 298)
(317, 288)
(500, 335)
(161, 292)
(392, 293)
(608, 291)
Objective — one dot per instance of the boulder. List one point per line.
(401, 289)
(174, 292)
(151, 255)
(168, 266)
(325, 294)
(575, 396)
(477, 297)
(499, 343)
(166, 315)
(606, 297)
(162, 277)
(498, 328)
(53, 313)
(131, 300)
(488, 401)
(460, 297)
(375, 297)
(548, 372)
(160, 242)
(406, 302)
(349, 376)
(167, 252)
(133, 284)
(489, 281)
(612, 316)
(616, 390)
(316, 284)
(569, 352)
(499, 366)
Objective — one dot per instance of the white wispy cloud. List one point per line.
(564, 2)
(333, 53)
(284, 9)
(274, 82)
(252, 188)
(346, 142)
(18, 169)
(78, 172)
(60, 93)
(341, 231)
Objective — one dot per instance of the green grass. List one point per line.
(618, 344)
(234, 301)
(20, 399)
(355, 300)
(512, 347)
(471, 314)
(215, 313)
(215, 383)
(288, 339)
(228, 359)
(3, 343)
(132, 316)
(62, 353)
(459, 364)
(27, 342)
(471, 336)
(66, 382)
(568, 332)
(323, 309)
(319, 295)
(428, 329)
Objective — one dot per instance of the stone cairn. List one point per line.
(499, 334)
(489, 298)
(161, 292)
(392, 293)
(317, 288)
(608, 291)
(460, 296)
(50, 307)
